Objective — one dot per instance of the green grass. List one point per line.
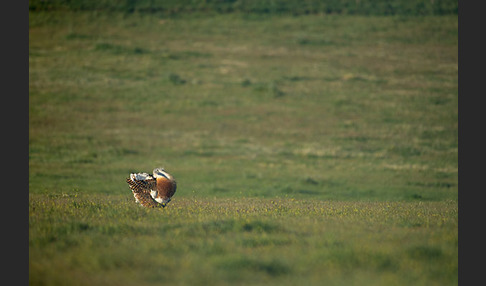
(306, 149)
(92, 239)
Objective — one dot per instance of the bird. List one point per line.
(154, 190)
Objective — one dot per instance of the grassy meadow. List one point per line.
(308, 150)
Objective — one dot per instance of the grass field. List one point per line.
(308, 150)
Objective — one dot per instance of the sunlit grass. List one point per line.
(306, 149)
(225, 99)
(219, 241)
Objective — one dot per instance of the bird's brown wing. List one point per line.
(140, 186)
(141, 191)
(165, 188)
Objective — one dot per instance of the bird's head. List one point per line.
(160, 172)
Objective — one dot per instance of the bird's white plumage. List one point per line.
(139, 176)
(153, 193)
(160, 172)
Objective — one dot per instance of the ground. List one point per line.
(306, 149)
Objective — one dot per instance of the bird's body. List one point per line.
(152, 190)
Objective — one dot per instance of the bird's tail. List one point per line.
(140, 176)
